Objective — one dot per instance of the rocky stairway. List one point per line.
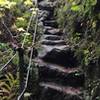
(59, 75)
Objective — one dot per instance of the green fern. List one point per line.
(8, 87)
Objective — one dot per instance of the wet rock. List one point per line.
(58, 74)
(48, 48)
(56, 42)
(52, 91)
(53, 31)
(44, 5)
(43, 14)
(40, 0)
(51, 23)
(63, 57)
(48, 28)
(40, 24)
(52, 37)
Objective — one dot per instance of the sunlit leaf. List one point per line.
(27, 34)
(21, 22)
(28, 2)
(20, 29)
(3, 2)
(75, 8)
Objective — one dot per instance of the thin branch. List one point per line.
(4, 66)
(7, 29)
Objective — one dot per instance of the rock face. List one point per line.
(60, 78)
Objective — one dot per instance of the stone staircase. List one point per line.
(59, 75)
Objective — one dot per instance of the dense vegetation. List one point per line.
(17, 24)
(79, 20)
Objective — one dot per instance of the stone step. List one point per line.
(52, 37)
(52, 91)
(48, 27)
(38, 0)
(45, 15)
(44, 5)
(65, 57)
(59, 68)
(60, 75)
(53, 31)
(52, 23)
(50, 42)
(48, 48)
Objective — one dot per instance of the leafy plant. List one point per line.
(80, 22)
(8, 87)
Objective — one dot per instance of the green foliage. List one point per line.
(28, 41)
(75, 8)
(80, 23)
(3, 46)
(7, 4)
(5, 53)
(16, 15)
(77, 19)
(8, 87)
(20, 22)
(20, 12)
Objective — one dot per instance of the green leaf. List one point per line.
(21, 22)
(65, 8)
(93, 2)
(28, 3)
(21, 29)
(3, 2)
(75, 8)
(27, 34)
(86, 51)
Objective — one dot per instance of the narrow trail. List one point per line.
(59, 75)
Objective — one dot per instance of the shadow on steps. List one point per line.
(74, 78)
(54, 92)
(61, 57)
